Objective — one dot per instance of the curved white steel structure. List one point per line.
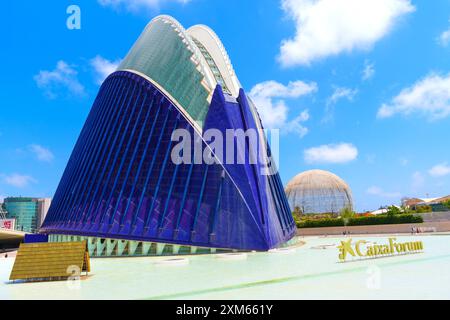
(206, 37)
(197, 57)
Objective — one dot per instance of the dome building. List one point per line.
(317, 192)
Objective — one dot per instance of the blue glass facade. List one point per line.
(25, 211)
(120, 182)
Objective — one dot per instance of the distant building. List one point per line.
(2, 211)
(437, 204)
(379, 212)
(43, 206)
(411, 202)
(382, 211)
(29, 213)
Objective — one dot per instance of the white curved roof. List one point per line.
(211, 42)
(199, 38)
(209, 56)
(197, 57)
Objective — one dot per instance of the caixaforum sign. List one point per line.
(365, 249)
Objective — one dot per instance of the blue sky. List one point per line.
(358, 87)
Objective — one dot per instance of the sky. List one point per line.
(357, 87)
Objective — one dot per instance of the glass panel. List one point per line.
(161, 54)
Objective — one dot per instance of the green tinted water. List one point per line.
(309, 272)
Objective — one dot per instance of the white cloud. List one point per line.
(368, 71)
(296, 125)
(332, 153)
(103, 67)
(429, 97)
(269, 99)
(137, 5)
(444, 38)
(340, 93)
(42, 153)
(18, 180)
(377, 191)
(440, 170)
(62, 80)
(329, 27)
(273, 89)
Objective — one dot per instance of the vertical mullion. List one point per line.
(149, 138)
(172, 183)
(200, 199)
(283, 208)
(130, 165)
(286, 203)
(106, 136)
(89, 154)
(144, 189)
(158, 184)
(277, 204)
(65, 209)
(280, 205)
(114, 152)
(87, 128)
(102, 151)
(122, 142)
(183, 201)
(252, 166)
(79, 214)
(76, 154)
(218, 203)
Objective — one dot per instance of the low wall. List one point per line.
(381, 229)
(436, 216)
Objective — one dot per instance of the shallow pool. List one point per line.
(312, 271)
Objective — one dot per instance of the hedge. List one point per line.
(380, 220)
(321, 223)
(362, 221)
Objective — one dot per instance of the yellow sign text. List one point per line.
(362, 248)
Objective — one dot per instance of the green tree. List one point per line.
(447, 203)
(297, 211)
(424, 209)
(393, 210)
(297, 214)
(347, 214)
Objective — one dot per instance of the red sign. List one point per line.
(7, 224)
